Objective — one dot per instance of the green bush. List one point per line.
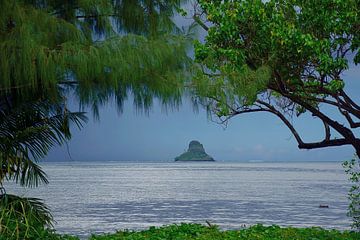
(26, 218)
(187, 231)
(352, 169)
(257, 232)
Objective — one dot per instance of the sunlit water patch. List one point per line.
(90, 198)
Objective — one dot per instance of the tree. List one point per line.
(92, 50)
(97, 47)
(285, 57)
(27, 132)
(353, 172)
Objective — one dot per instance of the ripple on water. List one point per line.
(92, 197)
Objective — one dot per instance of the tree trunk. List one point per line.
(356, 145)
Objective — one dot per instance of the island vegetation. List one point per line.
(287, 58)
(196, 152)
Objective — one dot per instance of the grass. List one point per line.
(257, 232)
(186, 231)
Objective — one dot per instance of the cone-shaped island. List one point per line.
(196, 152)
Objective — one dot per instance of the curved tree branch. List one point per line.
(327, 142)
(344, 108)
(349, 100)
(349, 119)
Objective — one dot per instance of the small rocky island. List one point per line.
(196, 152)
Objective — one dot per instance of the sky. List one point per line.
(161, 135)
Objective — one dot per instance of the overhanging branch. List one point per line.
(327, 142)
(349, 100)
(350, 120)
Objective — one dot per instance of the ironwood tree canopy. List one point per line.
(285, 57)
(93, 50)
(107, 48)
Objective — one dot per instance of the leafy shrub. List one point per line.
(26, 218)
(257, 232)
(352, 168)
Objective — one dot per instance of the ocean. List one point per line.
(97, 197)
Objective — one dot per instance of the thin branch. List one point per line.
(350, 120)
(68, 82)
(327, 142)
(238, 112)
(349, 137)
(341, 105)
(327, 131)
(349, 100)
(209, 74)
(198, 21)
(96, 16)
(347, 104)
(344, 131)
(348, 117)
(284, 119)
(15, 87)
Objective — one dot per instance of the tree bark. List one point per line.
(356, 145)
(344, 131)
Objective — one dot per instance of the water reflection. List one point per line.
(103, 197)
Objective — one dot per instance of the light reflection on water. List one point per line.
(103, 197)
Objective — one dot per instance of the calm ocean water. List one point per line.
(90, 198)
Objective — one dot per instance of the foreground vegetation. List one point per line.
(256, 232)
(284, 57)
(186, 231)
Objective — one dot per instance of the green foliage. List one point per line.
(27, 132)
(186, 231)
(352, 169)
(200, 232)
(196, 152)
(23, 218)
(47, 43)
(147, 17)
(92, 50)
(303, 46)
(284, 57)
(194, 156)
(224, 91)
